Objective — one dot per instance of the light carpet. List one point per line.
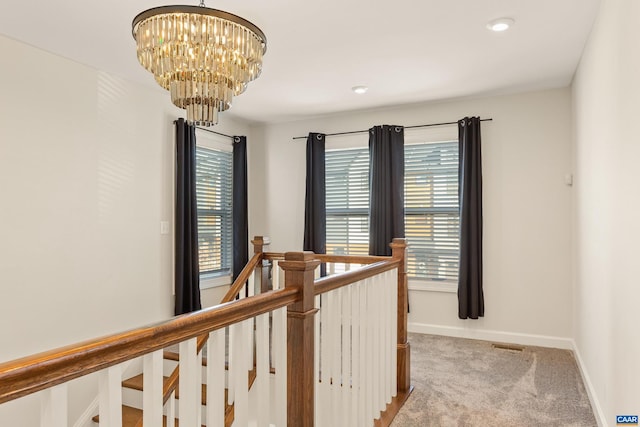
(461, 382)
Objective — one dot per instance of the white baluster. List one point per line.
(355, 354)
(371, 373)
(346, 353)
(316, 362)
(190, 384)
(215, 378)
(386, 324)
(383, 304)
(375, 326)
(240, 376)
(248, 326)
(262, 370)
(324, 391)
(380, 399)
(275, 274)
(152, 383)
(392, 325)
(110, 401)
(171, 409)
(394, 331)
(53, 408)
(364, 371)
(231, 365)
(335, 352)
(280, 356)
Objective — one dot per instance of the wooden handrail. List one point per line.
(30, 374)
(258, 243)
(351, 259)
(273, 256)
(242, 278)
(345, 259)
(329, 283)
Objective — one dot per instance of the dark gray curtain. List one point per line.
(386, 178)
(240, 212)
(470, 294)
(315, 212)
(186, 229)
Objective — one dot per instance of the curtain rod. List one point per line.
(406, 127)
(212, 131)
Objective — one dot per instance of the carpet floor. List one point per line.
(461, 382)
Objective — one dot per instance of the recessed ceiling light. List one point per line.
(499, 25)
(360, 89)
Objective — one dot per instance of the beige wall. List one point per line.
(527, 209)
(606, 98)
(86, 176)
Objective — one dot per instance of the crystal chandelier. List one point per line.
(202, 56)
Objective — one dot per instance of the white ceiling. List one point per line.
(405, 51)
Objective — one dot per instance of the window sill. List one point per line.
(214, 281)
(433, 286)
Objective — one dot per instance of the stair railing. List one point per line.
(241, 283)
(292, 309)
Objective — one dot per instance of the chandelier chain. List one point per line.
(202, 3)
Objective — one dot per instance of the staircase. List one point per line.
(278, 357)
(132, 414)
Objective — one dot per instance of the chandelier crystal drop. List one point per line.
(202, 56)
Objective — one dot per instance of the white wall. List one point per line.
(86, 176)
(527, 209)
(606, 98)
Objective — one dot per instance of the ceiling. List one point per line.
(405, 51)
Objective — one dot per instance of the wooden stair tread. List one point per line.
(136, 383)
(172, 355)
(131, 416)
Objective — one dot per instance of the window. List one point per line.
(432, 218)
(347, 196)
(214, 167)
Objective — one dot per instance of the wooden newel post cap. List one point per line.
(261, 240)
(398, 243)
(299, 261)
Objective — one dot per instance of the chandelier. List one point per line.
(202, 56)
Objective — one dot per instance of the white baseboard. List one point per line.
(488, 335)
(593, 398)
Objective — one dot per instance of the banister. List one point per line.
(258, 244)
(242, 278)
(329, 283)
(345, 259)
(30, 374)
(351, 259)
(273, 256)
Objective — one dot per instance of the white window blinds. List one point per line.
(214, 199)
(432, 219)
(347, 190)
